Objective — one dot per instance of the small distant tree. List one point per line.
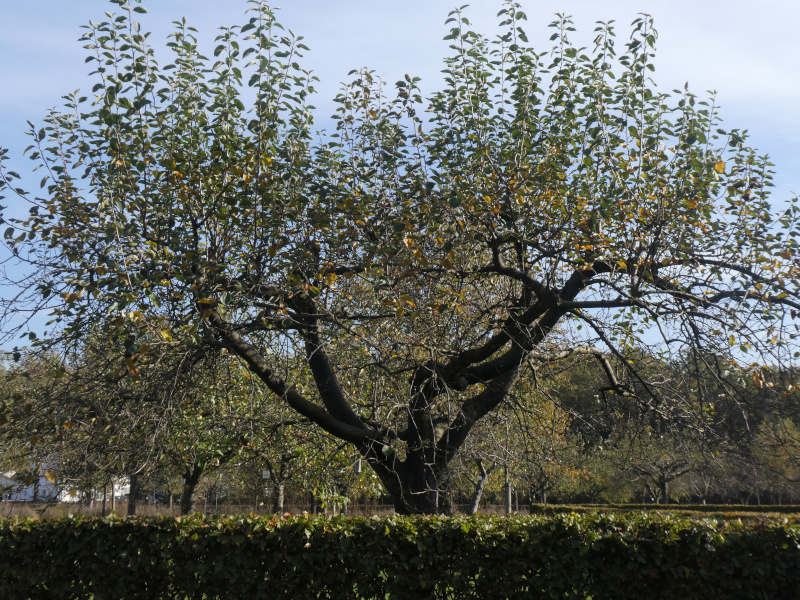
(537, 203)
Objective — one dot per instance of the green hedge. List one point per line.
(721, 511)
(568, 556)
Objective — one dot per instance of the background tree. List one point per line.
(546, 202)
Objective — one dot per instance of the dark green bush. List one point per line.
(722, 511)
(566, 556)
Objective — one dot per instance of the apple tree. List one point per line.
(422, 251)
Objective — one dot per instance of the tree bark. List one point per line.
(191, 477)
(420, 491)
(475, 501)
(507, 490)
(278, 502)
(132, 494)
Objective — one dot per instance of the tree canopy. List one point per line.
(390, 279)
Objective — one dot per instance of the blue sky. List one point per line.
(747, 50)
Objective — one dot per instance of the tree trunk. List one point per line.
(278, 502)
(507, 491)
(475, 501)
(113, 497)
(663, 485)
(105, 494)
(191, 478)
(416, 492)
(133, 493)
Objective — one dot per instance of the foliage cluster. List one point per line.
(569, 556)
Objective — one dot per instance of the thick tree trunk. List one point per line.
(421, 491)
(191, 478)
(664, 489)
(133, 494)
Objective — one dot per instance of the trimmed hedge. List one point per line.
(567, 556)
(722, 511)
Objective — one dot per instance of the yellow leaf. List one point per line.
(719, 167)
(247, 178)
(50, 476)
(206, 301)
(134, 371)
(166, 335)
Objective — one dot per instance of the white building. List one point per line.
(12, 489)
